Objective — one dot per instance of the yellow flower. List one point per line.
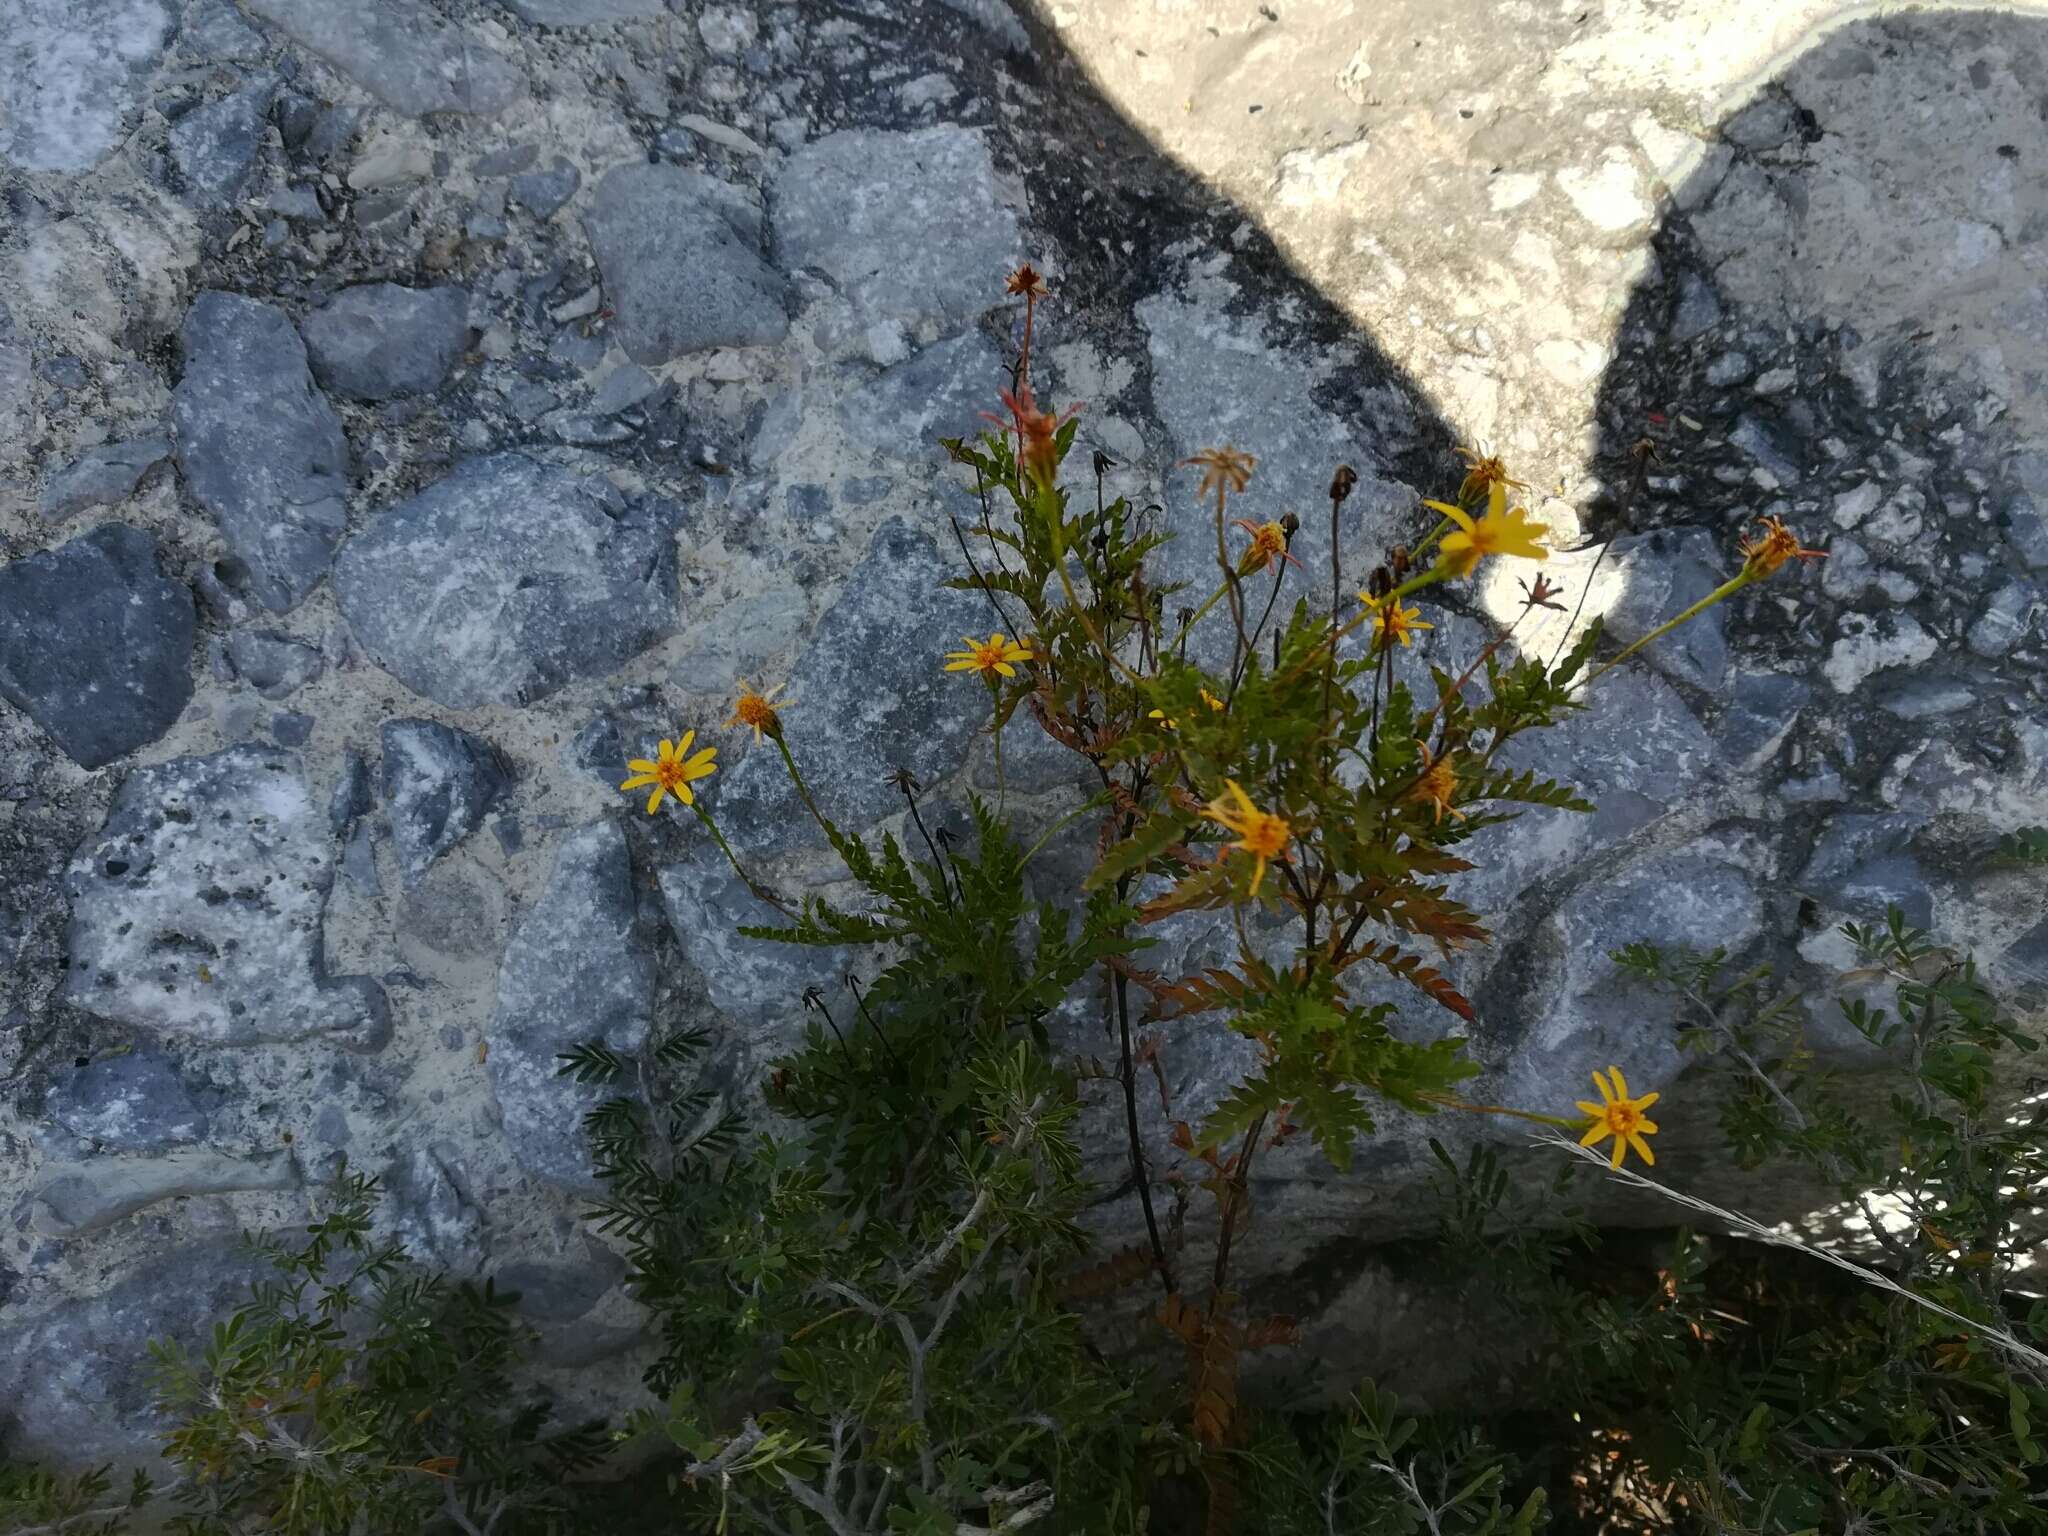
(1223, 469)
(1438, 783)
(990, 657)
(1483, 473)
(1391, 622)
(1777, 545)
(1500, 532)
(1163, 718)
(1211, 700)
(672, 774)
(1621, 1117)
(1259, 833)
(759, 710)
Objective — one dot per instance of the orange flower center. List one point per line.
(669, 774)
(987, 657)
(1265, 835)
(754, 710)
(1621, 1119)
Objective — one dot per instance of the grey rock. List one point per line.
(439, 783)
(1760, 715)
(291, 729)
(1662, 574)
(563, 1291)
(433, 1213)
(352, 797)
(379, 341)
(1769, 445)
(542, 193)
(1585, 1013)
(878, 649)
(622, 389)
(96, 643)
(680, 256)
(508, 161)
(1729, 368)
(134, 1102)
(216, 30)
(1848, 571)
(508, 579)
(1850, 840)
(84, 1198)
(259, 446)
(583, 13)
(73, 77)
(757, 986)
(275, 665)
(102, 477)
(1925, 698)
(2006, 619)
(196, 910)
(76, 1379)
(1698, 311)
(572, 973)
(940, 392)
(586, 429)
(910, 227)
(403, 58)
(996, 19)
(2027, 532)
(213, 147)
(1765, 123)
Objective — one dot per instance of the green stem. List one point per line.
(995, 726)
(731, 858)
(1047, 835)
(1727, 589)
(1451, 1101)
(1208, 603)
(803, 790)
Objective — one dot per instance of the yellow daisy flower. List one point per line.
(1165, 720)
(1259, 833)
(1502, 531)
(1621, 1117)
(759, 710)
(1777, 545)
(1438, 783)
(1269, 540)
(990, 657)
(672, 773)
(1391, 622)
(1211, 700)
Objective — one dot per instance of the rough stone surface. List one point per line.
(196, 910)
(680, 253)
(275, 665)
(214, 147)
(380, 340)
(582, 13)
(506, 580)
(102, 477)
(439, 783)
(572, 973)
(407, 62)
(135, 1102)
(71, 77)
(259, 446)
(910, 228)
(96, 643)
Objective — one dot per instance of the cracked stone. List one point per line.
(2005, 619)
(405, 60)
(439, 783)
(134, 1102)
(103, 476)
(379, 341)
(214, 147)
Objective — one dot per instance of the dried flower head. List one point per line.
(759, 710)
(1224, 471)
(1778, 544)
(1036, 431)
(1438, 784)
(1483, 472)
(1025, 282)
(1619, 1116)
(672, 772)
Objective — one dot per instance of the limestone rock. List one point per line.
(583, 13)
(96, 643)
(213, 147)
(380, 340)
(85, 1197)
(910, 227)
(439, 782)
(680, 254)
(134, 1102)
(275, 665)
(403, 59)
(507, 579)
(259, 446)
(103, 476)
(196, 911)
(72, 76)
(573, 972)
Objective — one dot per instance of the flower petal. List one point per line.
(1647, 1127)
(1620, 1082)
(1600, 1082)
(684, 745)
(1642, 1150)
(1595, 1110)
(1647, 1100)
(1599, 1129)
(1615, 1161)
(640, 781)
(654, 801)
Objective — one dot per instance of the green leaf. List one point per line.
(1153, 837)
